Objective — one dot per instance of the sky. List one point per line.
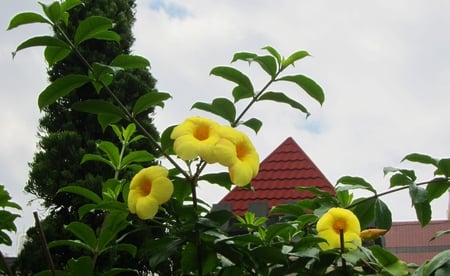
(384, 67)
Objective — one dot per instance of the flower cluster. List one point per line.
(335, 221)
(214, 143)
(149, 188)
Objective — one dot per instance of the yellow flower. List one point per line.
(236, 151)
(149, 188)
(330, 224)
(194, 137)
(372, 234)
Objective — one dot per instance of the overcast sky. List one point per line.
(384, 67)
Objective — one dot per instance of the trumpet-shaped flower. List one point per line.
(332, 223)
(196, 136)
(236, 151)
(149, 188)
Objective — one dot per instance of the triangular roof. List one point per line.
(286, 168)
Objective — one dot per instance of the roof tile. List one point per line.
(280, 173)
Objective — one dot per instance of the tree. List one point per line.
(66, 134)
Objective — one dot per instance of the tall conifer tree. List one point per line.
(66, 135)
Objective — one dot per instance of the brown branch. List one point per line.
(44, 243)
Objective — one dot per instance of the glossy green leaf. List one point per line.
(220, 106)
(244, 56)
(181, 188)
(107, 119)
(26, 18)
(399, 179)
(293, 58)
(81, 266)
(70, 4)
(364, 210)
(222, 179)
(60, 88)
(98, 107)
(42, 41)
(383, 216)
(125, 247)
(436, 262)
(389, 261)
(107, 35)
(267, 254)
(138, 156)
(435, 189)
(345, 197)
(130, 62)
(236, 76)
(189, 258)
(96, 158)
(52, 11)
(166, 141)
(54, 54)
(111, 151)
(83, 232)
(128, 132)
(86, 193)
(149, 100)
(268, 64)
(418, 194)
(240, 92)
(440, 233)
(420, 158)
(274, 53)
(354, 183)
(307, 84)
(443, 167)
(279, 230)
(254, 124)
(282, 98)
(113, 224)
(71, 243)
(91, 27)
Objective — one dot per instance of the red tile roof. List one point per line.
(286, 168)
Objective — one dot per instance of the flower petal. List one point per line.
(146, 207)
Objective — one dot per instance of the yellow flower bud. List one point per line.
(372, 234)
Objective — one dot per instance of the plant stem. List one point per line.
(434, 180)
(342, 249)
(44, 243)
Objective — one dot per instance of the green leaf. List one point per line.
(42, 41)
(181, 188)
(111, 151)
(91, 27)
(52, 11)
(82, 192)
(254, 124)
(236, 76)
(268, 64)
(220, 106)
(420, 158)
(126, 247)
(113, 224)
(244, 56)
(443, 167)
(389, 261)
(138, 156)
(130, 62)
(166, 141)
(189, 258)
(107, 119)
(240, 92)
(83, 232)
(293, 58)
(223, 179)
(98, 107)
(81, 266)
(440, 233)
(97, 158)
(128, 132)
(69, 4)
(149, 100)
(307, 84)
(418, 194)
(364, 210)
(383, 216)
(26, 18)
(269, 255)
(107, 35)
(282, 98)
(436, 189)
(274, 53)
(60, 88)
(71, 243)
(54, 54)
(399, 179)
(354, 182)
(436, 262)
